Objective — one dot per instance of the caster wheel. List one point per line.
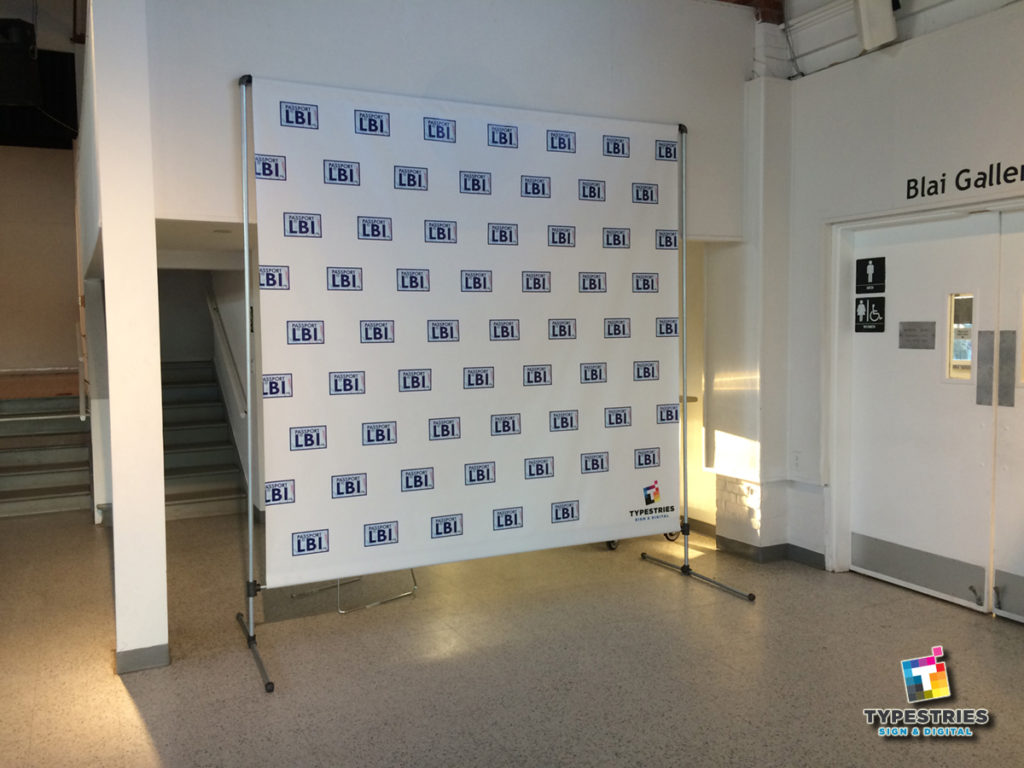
(672, 536)
(613, 544)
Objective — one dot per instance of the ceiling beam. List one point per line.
(768, 11)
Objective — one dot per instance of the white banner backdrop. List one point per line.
(468, 329)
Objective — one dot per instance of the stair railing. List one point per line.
(224, 358)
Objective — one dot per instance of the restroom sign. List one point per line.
(869, 314)
(870, 276)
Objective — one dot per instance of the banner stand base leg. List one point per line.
(268, 686)
(411, 592)
(686, 570)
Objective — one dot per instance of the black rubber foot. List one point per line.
(643, 555)
(751, 597)
(613, 544)
(269, 687)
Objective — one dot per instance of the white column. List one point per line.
(124, 152)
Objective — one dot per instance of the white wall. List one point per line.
(39, 291)
(661, 60)
(933, 105)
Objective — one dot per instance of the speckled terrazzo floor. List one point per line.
(571, 657)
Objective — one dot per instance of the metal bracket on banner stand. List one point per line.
(342, 582)
(685, 569)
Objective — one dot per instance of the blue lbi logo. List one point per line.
(646, 370)
(302, 225)
(616, 146)
(643, 458)
(562, 328)
(506, 136)
(536, 375)
(504, 330)
(645, 282)
(666, 239)
(480, 473)
(274, 278)
(538, 467)
(618, 417)
(307, 438)
(305, 331)
(615, 237)
(344, 172)
(419, 479)
(592, 190)
(279, 492)
(410, 177)
(561, 141)
(412, 279)
(668, 413)
(475, 182)
(593, 282)
(310, 542)
(536, 282)
(344, 278)
(373, 227)
(377, 534)
(372, 123)
(380, 432)
(347, 382)
(475, 280)
(508, 517)
(560, 236)
(443, 526)
(616, 327)
(563, 421)
(591, 463)
(446, 428)
(502, 234)
(565, 511)
(442, 330)
(645, 193)
(666, 326)
(414, 379)
(478, 378)
(438, 129)
(666, 150)
(593, 373)
(535, 186)
(506, 424)
(348, 486)
(376, 331)
(277, 385)
(445, 232)
(273, 167)
(295, 115)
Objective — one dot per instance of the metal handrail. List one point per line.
(222, 343)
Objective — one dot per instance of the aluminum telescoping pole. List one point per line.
(251, 587)
(685, 569)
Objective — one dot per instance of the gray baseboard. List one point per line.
(771, 554)
(143, 658)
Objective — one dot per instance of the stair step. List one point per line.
(36, 501)
(182, 506)
(195, 370)
(39, 404)
(190, 392)
(190, 432)
(178, 413)
(199, 455)
(213, 478)
(62, 474)
(24, 424)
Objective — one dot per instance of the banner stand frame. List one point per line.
(252, 586)
(411, 592)
(685, 569)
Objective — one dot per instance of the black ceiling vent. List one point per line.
(38, 107)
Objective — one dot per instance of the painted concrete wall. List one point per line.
(861, 133)
(185, 331)
(660, 60)
(39, 292)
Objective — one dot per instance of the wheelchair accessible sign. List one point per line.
(869, 314)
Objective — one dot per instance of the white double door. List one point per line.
(937, 413)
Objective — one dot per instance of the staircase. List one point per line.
(202, 476)
(44, 457)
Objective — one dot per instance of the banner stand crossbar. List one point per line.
(411, 592)
(685, 569)
(252, 587)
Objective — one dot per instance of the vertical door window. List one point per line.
(961, 325)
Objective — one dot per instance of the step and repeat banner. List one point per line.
(468, 329)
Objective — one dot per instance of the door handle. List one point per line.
(1007, 367)
(986, 344)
